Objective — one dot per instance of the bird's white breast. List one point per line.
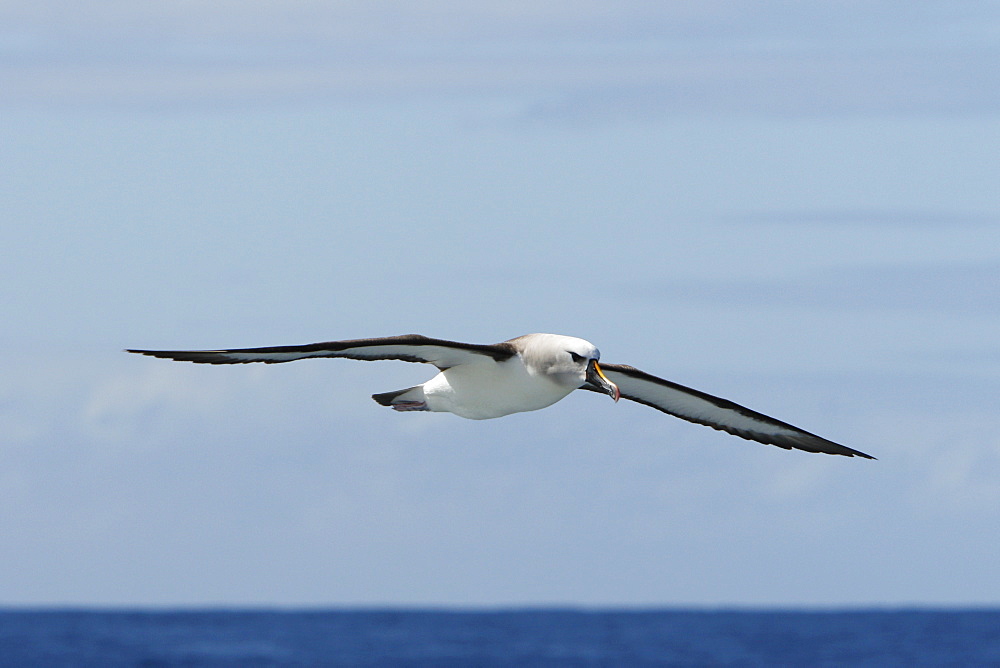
(491, 389)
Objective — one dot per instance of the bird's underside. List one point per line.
(526, 373)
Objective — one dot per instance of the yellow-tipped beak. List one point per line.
(596, 377)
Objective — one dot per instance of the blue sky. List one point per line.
(793, 206)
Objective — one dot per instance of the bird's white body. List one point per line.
(489, 389)
(540, 373)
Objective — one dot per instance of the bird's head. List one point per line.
(572, 362)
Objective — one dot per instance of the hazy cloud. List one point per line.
(969, 289)
(867, 218)
(563, 60)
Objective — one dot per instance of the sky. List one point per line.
(790, 205)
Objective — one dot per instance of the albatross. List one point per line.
(527, 373)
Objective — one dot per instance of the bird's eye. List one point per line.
(576, 358)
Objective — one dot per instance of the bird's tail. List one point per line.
(410, 399)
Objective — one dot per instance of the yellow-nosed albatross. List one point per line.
(479, 382)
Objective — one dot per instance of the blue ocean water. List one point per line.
(502, 638)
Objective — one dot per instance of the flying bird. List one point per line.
(483, 381)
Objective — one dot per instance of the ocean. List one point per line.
(534, 637)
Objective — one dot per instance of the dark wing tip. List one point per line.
(821, 445)
(856, 453)
(851, 452)
(792, 438)
(198, 356)
(151, 353)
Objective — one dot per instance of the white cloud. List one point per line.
(121, 406)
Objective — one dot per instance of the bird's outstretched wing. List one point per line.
(715, 412)
(408, 348)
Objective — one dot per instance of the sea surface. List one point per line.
(536, 637)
